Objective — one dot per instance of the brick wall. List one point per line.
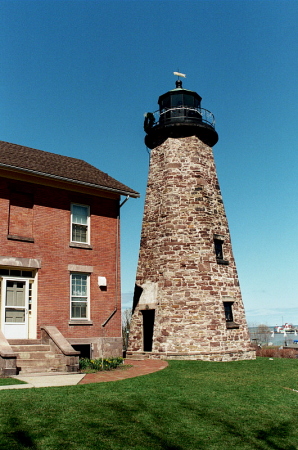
(42, 231)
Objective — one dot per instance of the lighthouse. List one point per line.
(187, 301)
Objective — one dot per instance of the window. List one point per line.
(17, 273)
(30, 297)
(79, 296)
(228, 311)
(80, 218)
(228, 307)
(218, 248)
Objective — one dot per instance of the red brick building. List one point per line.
(59, 254)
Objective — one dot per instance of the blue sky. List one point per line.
(76, 78)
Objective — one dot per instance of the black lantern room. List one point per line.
(180, 115)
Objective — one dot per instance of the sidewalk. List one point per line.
(45, 379)
(142, 367)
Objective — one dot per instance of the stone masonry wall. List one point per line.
(178, 273)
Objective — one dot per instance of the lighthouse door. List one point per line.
(148, 327)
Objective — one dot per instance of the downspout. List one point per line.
(110, 316)
(124, 201)
(117, 258)
(118, 248)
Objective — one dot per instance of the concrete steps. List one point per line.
(34, 357)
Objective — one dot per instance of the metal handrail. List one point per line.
(206, 116)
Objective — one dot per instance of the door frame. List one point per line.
(7, 325)
(148, 329)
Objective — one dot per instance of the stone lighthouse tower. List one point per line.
(187, 301)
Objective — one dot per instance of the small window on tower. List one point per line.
(228, 308)
(228, 311)
(218, 247)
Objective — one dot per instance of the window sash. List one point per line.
(80, 223)
(79, 310)
(79, 296)
(80, 214)
(79, 233)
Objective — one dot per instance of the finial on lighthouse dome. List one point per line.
(180, 115)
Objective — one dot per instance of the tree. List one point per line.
(126, 319)
(262, 334)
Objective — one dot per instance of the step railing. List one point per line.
(8, 359)
(60, 346)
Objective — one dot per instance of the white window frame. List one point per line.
(74, 223)
(87, 275)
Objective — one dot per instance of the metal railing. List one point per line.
(181, 113)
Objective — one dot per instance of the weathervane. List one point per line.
(178, 74)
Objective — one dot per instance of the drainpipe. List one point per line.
(109, 318)
(124, 201)
(116, 275)
(118, 251)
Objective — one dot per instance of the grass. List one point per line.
(191, 405)
(9, 381)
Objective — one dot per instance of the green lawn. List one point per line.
(10, 381)
(190, 405)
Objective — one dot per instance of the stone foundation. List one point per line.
(216, 356)
(107, 347)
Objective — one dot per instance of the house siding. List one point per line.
(47, 238)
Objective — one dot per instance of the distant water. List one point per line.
(278, 338)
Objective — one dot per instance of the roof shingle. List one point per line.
(59, 166)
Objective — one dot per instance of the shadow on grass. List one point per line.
(189, 428)
(283, 430)
(186, 407)
(17, 437)
(241, 435)
(141, 425)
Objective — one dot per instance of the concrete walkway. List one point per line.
(46, 379)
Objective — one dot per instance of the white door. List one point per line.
(15, 308)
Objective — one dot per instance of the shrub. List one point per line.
(95, 365)
(277, 352)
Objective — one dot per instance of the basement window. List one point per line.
(84, 349)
